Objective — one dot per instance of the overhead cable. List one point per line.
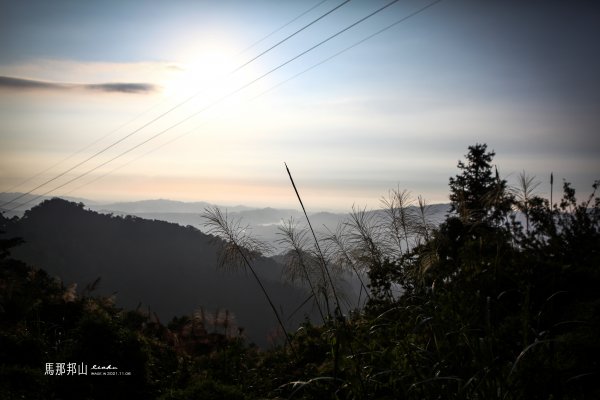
(235, 92)
(162, 115)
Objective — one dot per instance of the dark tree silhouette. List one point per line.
(477, 193)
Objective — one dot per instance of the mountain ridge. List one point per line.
(264, 222)
(163, 265)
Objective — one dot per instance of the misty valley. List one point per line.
(494, 294)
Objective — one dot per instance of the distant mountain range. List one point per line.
(168, 268)
(155, 253)
(158, 206)
(27, 201)
(263, 222)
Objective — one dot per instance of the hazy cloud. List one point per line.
(7, 82)
(123, 87)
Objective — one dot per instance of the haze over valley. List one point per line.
(334, 199)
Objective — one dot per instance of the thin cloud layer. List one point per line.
(12, 83)
(123, 87)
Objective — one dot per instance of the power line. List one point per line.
(231, 94)
(413, 14)
(293, 34)
(98, 153)
(135, 159)
(349, 48)
(320, 43)
(171, 110)
(145, 112)
(76, 153)
(281, 27)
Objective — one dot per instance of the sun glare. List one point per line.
(204, 69)
(215, 79)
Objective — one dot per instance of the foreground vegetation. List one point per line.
(499, 301)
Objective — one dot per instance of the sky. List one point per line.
(204, 100)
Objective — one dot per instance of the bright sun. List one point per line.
(207, 70)
(214, 80)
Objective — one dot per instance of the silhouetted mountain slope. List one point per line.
(167, 267)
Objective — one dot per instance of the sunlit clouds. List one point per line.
(172, 103)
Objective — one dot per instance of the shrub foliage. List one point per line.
(498, 301)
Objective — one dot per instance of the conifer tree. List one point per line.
(477, 193)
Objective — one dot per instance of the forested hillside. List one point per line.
(168, 269)
(483, 306)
